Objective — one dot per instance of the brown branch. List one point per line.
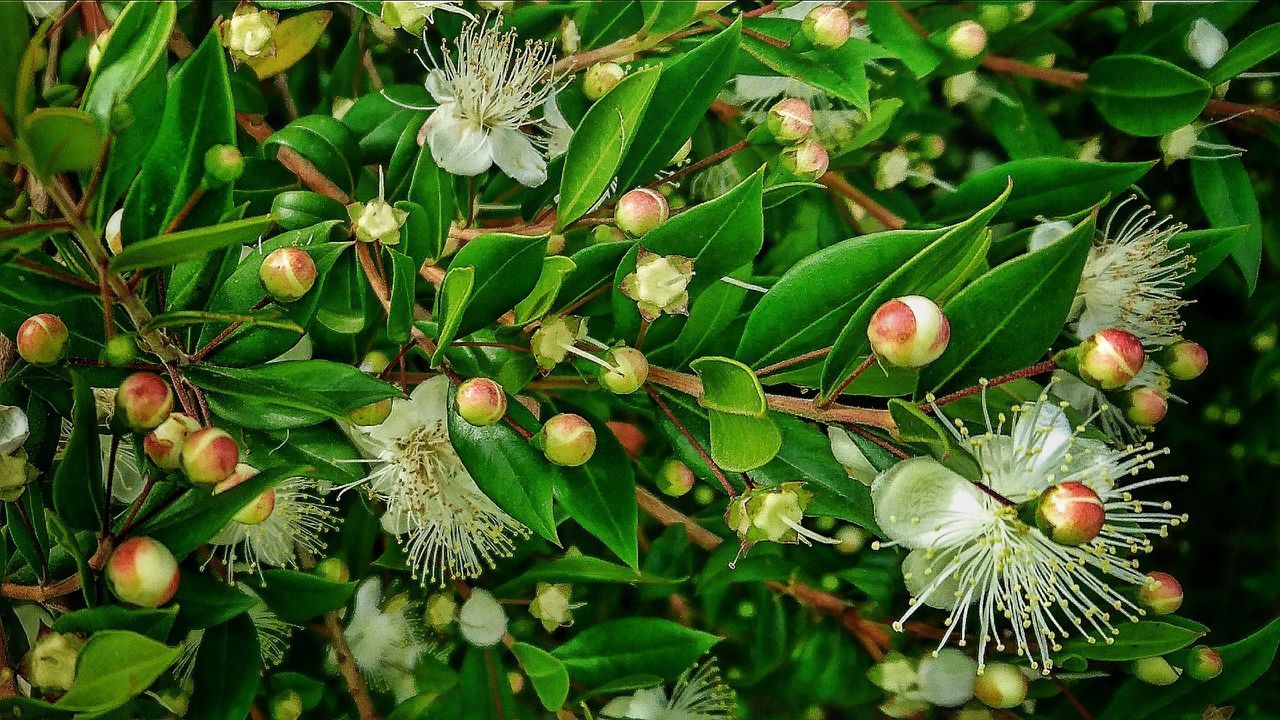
(729, 489)
(15, 230)
(848, 380)
(883, 215)
(1076, 705)
(347, 666)
(48, 591)
(701, 164)
(55, 274)
(789, 362)
(1037, 369)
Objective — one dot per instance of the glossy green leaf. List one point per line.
(295, 36)
(227, 671)
(632, 646)
(204, 601)
(805, 454)
(1041, 186)
(663, 17)
(581, 569)
(297, 209)
(60, 139)
(189, 244)
(721, 235)
(1145, 96)
(328, 144)
(454, 297)
(893, 31)
(729, 386)
(1226, 194)
(841, 72)
(404, 276)
(740, 443)
(154, 623)
(431, 189)
(297, 597)
(1209, 247)
(115, 665)
(507, 268)
(288, 394)
(78, 487)
(546, 672)
(601, 496)
(538, 304)
(138, 42)
(1148, 638)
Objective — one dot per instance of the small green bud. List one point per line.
(674, 478)
(600, 78)
(1155, 671)
(223, 164)
(1204, 663)
(790, 120)
(286, 705)
(1161, 594)
(807, 159)
(333, 569)
(120, 350)
(372, 414)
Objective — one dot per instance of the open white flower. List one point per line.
(385, 640)
(999, 578)
(487, 96)
(1093, 402)
(699, 694)
(447, 526)
(295, 526)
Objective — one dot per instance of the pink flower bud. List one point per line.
(1109, 359)
(631, 437)
(1155, 671)
(827, 26)
(807, 159)
(1144, 406)
(568, 440)
(372, 414)
(633, 370)
(790, 120)
(1070, 513)
(143, 401)
(142, 572)
(481, 401)
(1204, 663)
(209, 456)
(260, 508)
(600, 78)
(164, 444)
(42, 339)
(966, 40)
(674, 478)
(1184, 360)
(1000, 685)
(287, 273)
(1161, 595)
(909, 332)
(641, 210)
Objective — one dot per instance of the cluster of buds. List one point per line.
(659, 284)
(909, 332)
(790, 123)
(567, 440)
(947, 678)
(141, 571)
(42, 339)
(1111, 360)
(481, 401)
(287, 274)
(249, 33)
(641, 210)
(600, 78)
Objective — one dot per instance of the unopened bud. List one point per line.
(209, 456)
(892, 168)
(481, 401)
(372, 414)
(482, 620)
(932, 146)
(790, 120)
(641, 210)
(994, 17)
(120, 350)
(1184, 360)
(827, 26)
(1001, 685)
(112, 231)
(286, 705)
(674, 478)
(1109, 359)
(568, 440)
(223, 164)
(966, 40)
(631, 370)
(631, 438)
(946, 678)
(1144, 406)
(909, 332)
(600, 78)
(960, 88)
(851, 539)
(51, 664)
(807, 159)
(255, 511)
(1179, 144)
(287, 273)
(1023, 10)
(974, 711)
(333, 569)
(1070, 513)
(164, 444)
(442, 610)
(142, 572)
(143, 401)
(377, 220)
(42, 339)
(1161, 594)
(1205, 43)
(570, 37)
(1204, 663)
(1155, 671)
(375, 361)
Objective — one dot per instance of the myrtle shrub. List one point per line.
(648, 359)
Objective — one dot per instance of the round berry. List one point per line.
(1161, 594)
(674, 478)
(1070, 513)
(223, 164)
(481, 401)
(600, 78)
(641, 210)
(632, 369)
(287, 273)
(568, 440)
(143, 401)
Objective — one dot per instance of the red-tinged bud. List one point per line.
(1155, 671)
(1000, 685)
(164, 444)
(332, 568)
(223, 164)
(1184, 360)
(807, 159)
(42, 339)
(966, 40)
(1070, 513)
(1204, 663)
(372, 414)
(827, 26)
(143, 401)
(481, 401)
(1144, 406)
(790, 120)
(1161, 595)
(209, 456)
(641, 210)
(632, 369)
(568, 440)
(1109, 359)
(631, 437)
(909, 332)
(600, 78)
(674, 478)
(260, 508)
(287, 273)
(143, 572)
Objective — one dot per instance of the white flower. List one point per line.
(972, 556)
(448, 527)
(295, 525)
(482, 620)
(558, 131)
(699, 694)
(14, 428)
(413, 15)
(486, 95)
(384, 639)
(273, 639)
(1205, 43)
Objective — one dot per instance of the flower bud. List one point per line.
(600, 78)
(249, 33)
(143, 401)
(1205, 43)
(550, 342)
(960, 88)
(966, 40)
(659, 284)
(481, 401)
(223, 164)
(287, 273)
(255, 511)
(629, 436)
(790, 120)
(51, 664)
(551, 605)
(570, 37)
(641, 210)
(482, 620)
(377, 220)
(1000, 685)
(1179, 144)
(674, 478)
(375, 361)
(112, 232)
(1161, 594)
(1204, 663)
(807, 159)
(909, 332)
(42, 339)
(1024, 10)
(995, 17)
(850, 539)
(568, 440)
(441, 610)
(1144, 406)
(1155, 671)
(1109, 359)
(1184, 360)
(932, 146)
(946, 678)
(286, 705)
(120, 350)
(333, 569)
(1070, 513)
(892, 168)
(164, 444)
(209, 456)
(632, 370)
(827, 26)
(974, 711)
(372, 414)
(142, 572)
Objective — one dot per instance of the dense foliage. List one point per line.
(648, 359)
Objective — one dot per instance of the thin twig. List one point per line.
(729, 489)
(1037, 369)
(789, 362)
(701, 164)
(15, 230)
(55, 274)
(347, 666)
(883, 215)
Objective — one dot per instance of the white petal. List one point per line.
(458, 146)
(1206, 43)
(919, 572)
(482, 620)
(948, 679)
(14, 428)
(438, 86)
(516, 155)
(429, 400)
(848, 454)
(920, 503)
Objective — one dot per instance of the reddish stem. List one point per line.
(703, 163)
(688, 436)
(784, 364)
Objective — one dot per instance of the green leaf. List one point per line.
(729, 386)
(138, 42)
(899, 37)
(60, 139)
(707, 331)
(326, 143)
(806, 454)
(740, 443)
(12, 45)
(431, 190)
(296, 597)
(580, 569)
(115, 665)
(1209, 247)
(1259, 46)
(549, 677)
(294, 38)
(298, 209)
(289, 394)
(189, 244)
(1008, 318)
(841, 72)
(1145, 96)
(226, 675)
(632, 646)
(721, 235)
(599, 144)
(1227, 196)
(601, 496)
(1041, 186)
(594, 266)
(507, 269)
(1148, 638)
(404, 276)
(538, 304)
(77, 481)
(663, 17)
(454, 297)
(153, 623)
(204, 601)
